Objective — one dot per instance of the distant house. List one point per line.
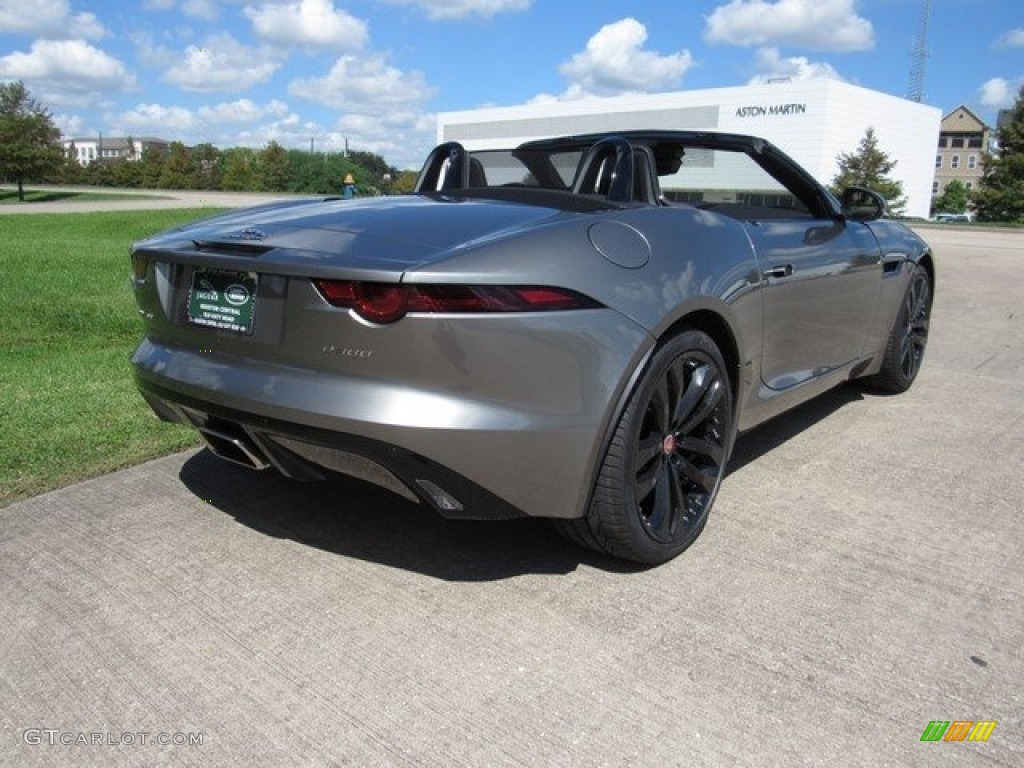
(963, 138)
(93, 148)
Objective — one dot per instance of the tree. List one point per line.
(404, 182)
(177, 171)
(272, 168)
(152, 163)
(869, 167)
(1000, 193)
(30, 146)
(125, 172)
(70, 171)
(954, 198)
(206, 166)
(238, 175)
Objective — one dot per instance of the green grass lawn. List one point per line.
(10, 196)
(68, 407)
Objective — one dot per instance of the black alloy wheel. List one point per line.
(680, 448)
(916, 312)
(661, 472)
(908, 339)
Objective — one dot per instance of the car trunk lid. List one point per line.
(377, 239)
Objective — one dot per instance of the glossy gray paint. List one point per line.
(520, 405)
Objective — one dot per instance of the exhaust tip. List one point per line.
(234, 448)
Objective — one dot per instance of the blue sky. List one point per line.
(376, 72)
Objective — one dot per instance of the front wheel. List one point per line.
(904, 350)
(662, 469)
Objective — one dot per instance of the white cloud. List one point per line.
(615, 62)
(461, 9)
(1012, 39)
(241, 111)
(1000, 93)
(402, 138)
(381, 108)
(201, 9)
(821, 25)
(364, 84)
(149, 53)
(154, 119)
(207, 10)
(52, 19)
(66, 71)
(69, 125)
(772, 66)
(308, 23)
(216, 123)
(222, 64)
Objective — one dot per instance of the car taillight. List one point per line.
(377, 302)
(388, 302)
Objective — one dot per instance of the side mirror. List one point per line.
(862, 204)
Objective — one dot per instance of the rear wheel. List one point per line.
(904, 351)
(660, 475)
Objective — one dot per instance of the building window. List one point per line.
(969, 184)
(938, 161)
(935, 187)
(942, 141)
(974, 142)
(972, 161)
(958, 143)
(954, 162)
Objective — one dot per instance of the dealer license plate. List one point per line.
(222, 299)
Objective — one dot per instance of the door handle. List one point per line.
(783, 271)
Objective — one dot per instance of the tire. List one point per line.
(661, 472)
(904, 351)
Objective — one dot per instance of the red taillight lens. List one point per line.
(546, 298)
(388, 302)
(377, 302)
(340, 293)
(380, 302)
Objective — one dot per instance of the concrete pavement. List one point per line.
(861, 576)
(148, 200)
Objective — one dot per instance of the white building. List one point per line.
(89, 149)
(813, 121)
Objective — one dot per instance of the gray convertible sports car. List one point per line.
(576, 328)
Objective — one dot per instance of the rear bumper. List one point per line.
(460, 450)
(306, 453)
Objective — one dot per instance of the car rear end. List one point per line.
(303, 340)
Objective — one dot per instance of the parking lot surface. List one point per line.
(143, 200)
(860, 577)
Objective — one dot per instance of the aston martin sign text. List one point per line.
(774, 109)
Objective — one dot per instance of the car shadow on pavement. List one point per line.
(762, 439)
(353, 518)
(357, 519)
